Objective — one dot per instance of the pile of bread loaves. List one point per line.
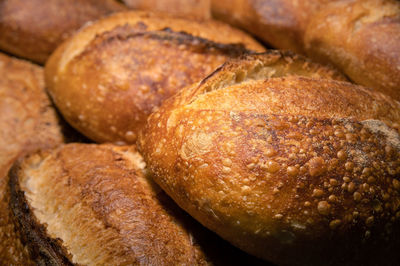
(158, 134)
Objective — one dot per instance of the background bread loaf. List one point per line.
(27, 122)
(279, 23)
(360, 38)
(92, 205)
(292, 169)
(33, 29)
(200, 9)
(110, 76)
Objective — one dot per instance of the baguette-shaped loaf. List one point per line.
(109, 77)
(88, 204)
(199, 9)
(292, 169)
(361, 38)
(27, 122)
(33, 29)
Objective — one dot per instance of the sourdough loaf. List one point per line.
(110, 76)
(361, 38)
(28, 121)
(88, 204)
(199, 9)
(33, 29)
(296, 170)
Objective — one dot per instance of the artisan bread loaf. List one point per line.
(33, 29)
(279, 23)
(199, 9)
(88, 204)
(297, 170)
(27, 121)
(360, 38)
(109, 77)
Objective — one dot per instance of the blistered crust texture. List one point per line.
(33, 29)
(294, 170)
(108, 88)
(27, 122)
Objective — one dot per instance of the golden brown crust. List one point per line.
(33, 29)
(108, 78)
(92, 205)
(362, 38)
(199, 9)
(295, 170)
(280, 23)
(27, 121)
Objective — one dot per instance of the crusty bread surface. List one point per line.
(88, 204)
(279, 23)
(27, 122)
(109, 77)
(33, 29)
(199, 9)
(296, 170)
(359, 37)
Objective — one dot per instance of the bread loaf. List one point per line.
(27, 122)
(200, 9)
(87, 204)
(279, 23)
(33, 29)
(109, 77)
(360, 38)
(296, 170)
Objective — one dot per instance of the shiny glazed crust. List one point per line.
(109, 77)
(33, 29)
(27, 122)
(295, 170)
(90, 204)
